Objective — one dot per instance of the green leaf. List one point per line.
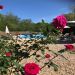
(55, 66)
(35, 45)
(48, 66)
(22, 70)
(16, 73)
(34, 53)
(43, 51)
(16, 64)
(3, 69)
(53, 52)
(72, 52)
(37, 60)
(46, 63)
(7, 50)
(61, 51)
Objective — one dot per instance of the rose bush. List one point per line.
(11, 54)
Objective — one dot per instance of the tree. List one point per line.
(2, 22)
(71, 16)
(25, 25)
(72, 9)
(12, 21)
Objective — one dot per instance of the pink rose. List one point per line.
(60, 22)
(47, 56)
(31, 69)
(70, 47)
(8, 54)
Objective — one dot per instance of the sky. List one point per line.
(36, 10)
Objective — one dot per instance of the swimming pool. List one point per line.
(31, 36)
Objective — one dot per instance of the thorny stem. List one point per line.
(48, 62)
(33, 53)
(53, 58)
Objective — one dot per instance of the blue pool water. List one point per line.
(31, 36)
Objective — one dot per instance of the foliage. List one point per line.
(16, 24)
(70, 16)
(11, 54)
(49, 40)
(8, 58)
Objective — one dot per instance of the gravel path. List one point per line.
(65, 67)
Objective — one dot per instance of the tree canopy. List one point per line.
(14, 23)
